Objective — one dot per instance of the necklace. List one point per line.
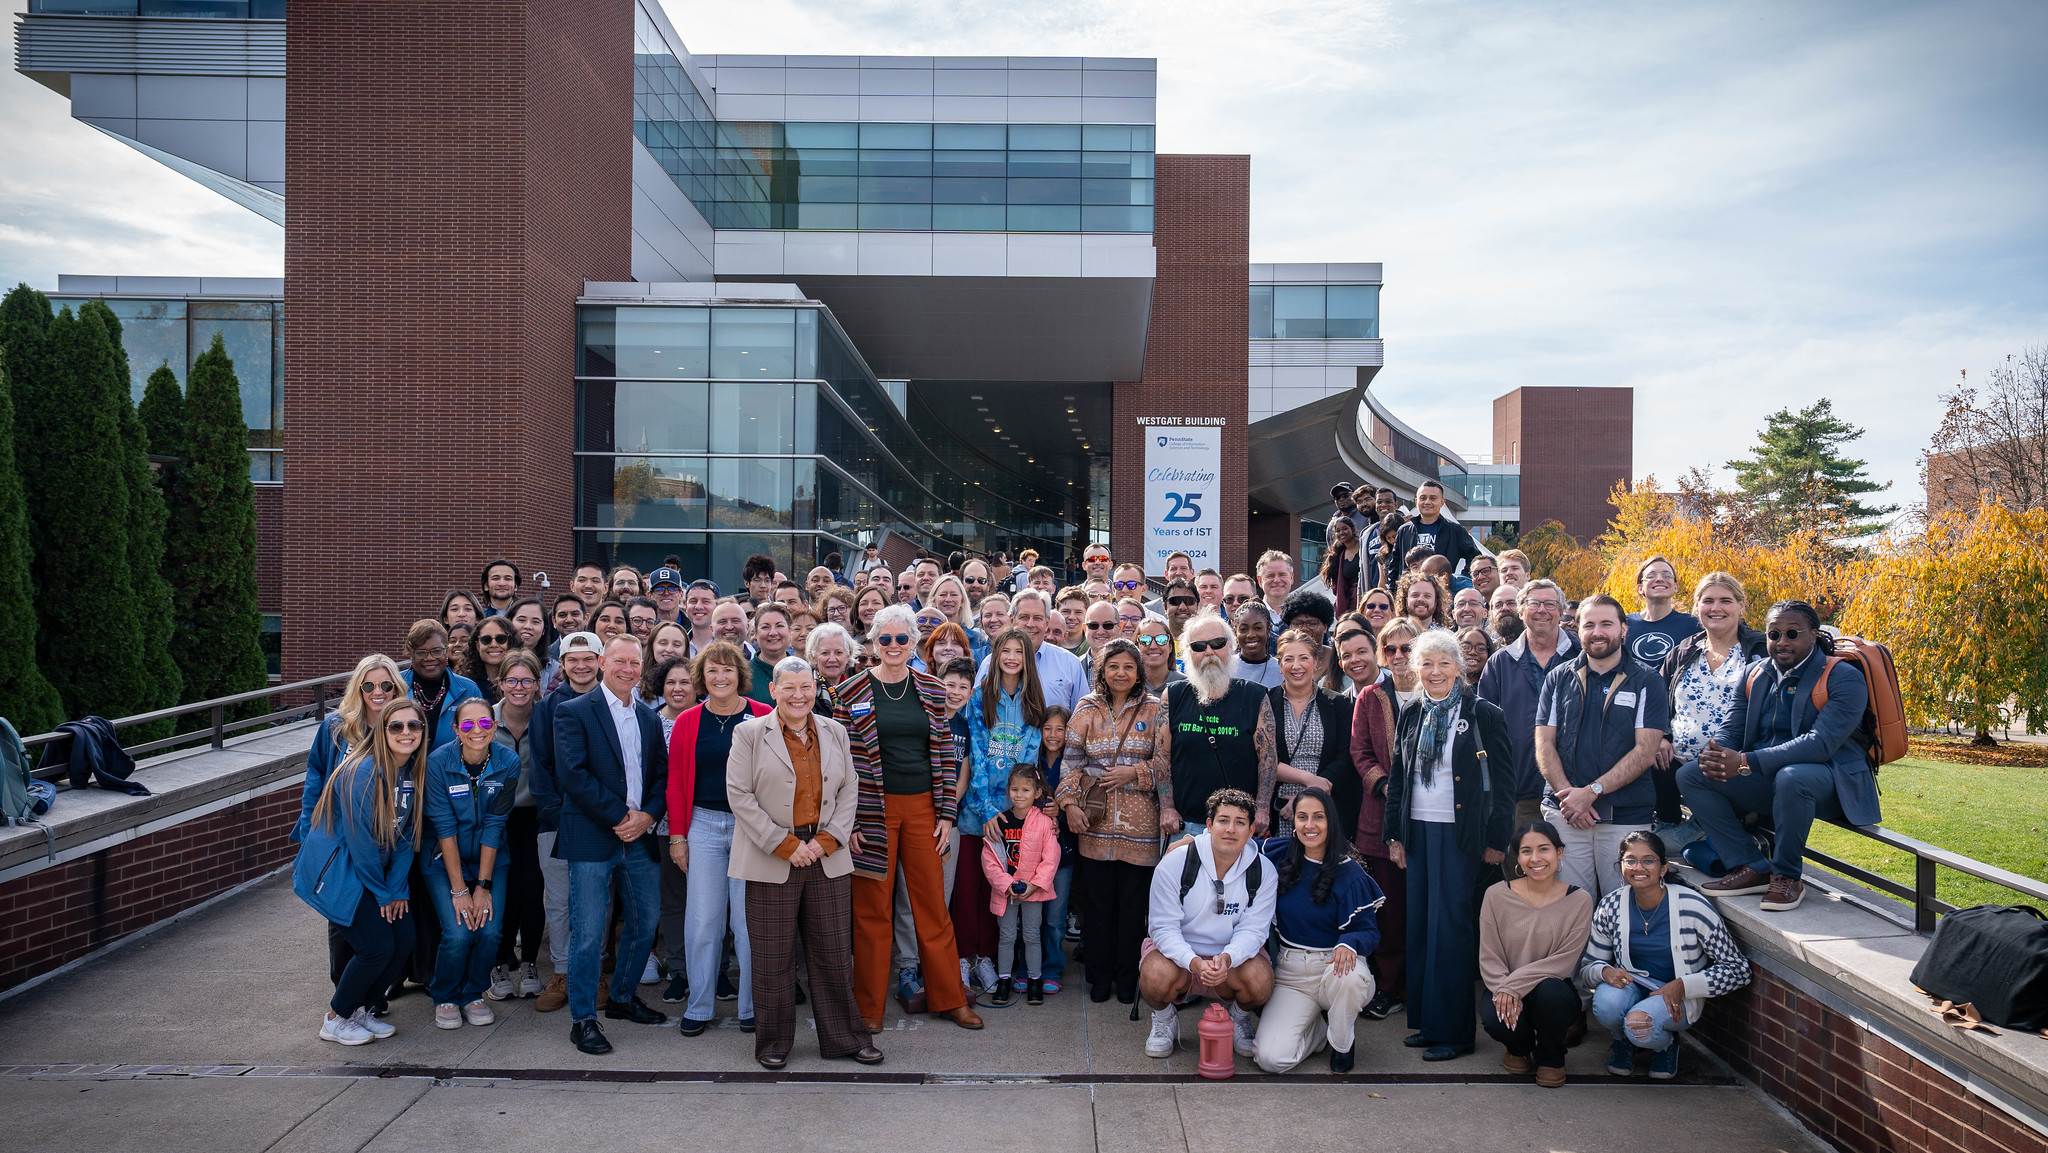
(724, 719)
(1645, 914)
(898, 694)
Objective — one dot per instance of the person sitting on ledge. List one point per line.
(1780, 754)
(1212, 906)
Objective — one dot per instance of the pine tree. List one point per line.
(147, 518)
(163, 415)
(87, 616)
(25, 334)
(26, 698)
(1797, 478)
(218, 643)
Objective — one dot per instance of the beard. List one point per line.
(1210, 674)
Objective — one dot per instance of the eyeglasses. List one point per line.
(518, 682)
(494, 639)
(1129, 620)
(1641, 862)
(1094, 626)
(1181, 602)
(397, 727)
(484, 724)
(1154, 639)
(1546, 605)
(1126, 585)
(1205, 646)
(386, 687)
(897, 639)
(1402, 649)
(972, 582)
(1785, 634)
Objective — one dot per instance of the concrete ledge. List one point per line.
(183, 785)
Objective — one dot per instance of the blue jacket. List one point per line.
(1351, 913)
(326, 753)
(460, 688)
(1823, 737)
(337, 865)
(996, 745)
(540, 735)
(1513, 680)
(471, 811)
(590, 776)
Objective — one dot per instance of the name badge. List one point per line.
(458, 790)
(861, 710)
(1625, 700)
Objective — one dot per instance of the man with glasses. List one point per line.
(906, 588)
(1098, 590)
(665, 585)
(1238, 591)
(1099, 625)
(1220, 732)
(642, 614)
(1128, 581)
(1181, 603)
(698, 601)
(1485, 572)
(1276, 580)
(1060, 676)
(1513, 679)
(1468, 609)
(975, 576)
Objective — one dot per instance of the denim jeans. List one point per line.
(590, 886)
(1055, 936)
(1611, 1007)
(1794, 796)
(714, 900)
(462, 968)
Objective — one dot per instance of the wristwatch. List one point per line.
(484, 884)
(1596, 788)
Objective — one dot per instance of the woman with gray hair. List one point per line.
(902, 750)
(1450, 798)
(791, 785)
(832, 653)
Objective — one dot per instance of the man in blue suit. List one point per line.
(1780, 755)
(611, 772)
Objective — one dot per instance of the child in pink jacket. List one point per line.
(1020, 866)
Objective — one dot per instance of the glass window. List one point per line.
(1045, 191)
(827, 189)
(914, 190)
(753, 417)
(806, 349)
(750, 493)
(1353, 311)
(874, 135)
(1115, 218)
(1045, 165)
(1262, 311)
(244, 329)
(900, 217)
(1045, 218)
(650, 492)
(968, 217)
(660, 342)
(1298, 311)
(752, 343)
(273, 643)
(845, 216)
(968, 136)
(153, 334)
(803, 504)
(646, 416)
(730, 550)
(644, 550)
(968, 191)
(1044, 136)
(802, 135)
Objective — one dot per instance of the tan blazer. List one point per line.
(760, 784)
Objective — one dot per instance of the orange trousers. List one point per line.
(908, 822)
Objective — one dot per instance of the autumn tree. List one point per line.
(1992, 441)
(1797, 479)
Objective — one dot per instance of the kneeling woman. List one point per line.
(472, 783)
(1532, 930)
(1326, 922)
(1658, 952)
(355, 864)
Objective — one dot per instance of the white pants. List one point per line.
(1291, 1026)
(554, 903)
(1592, 857)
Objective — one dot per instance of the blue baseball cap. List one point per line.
(664, 576)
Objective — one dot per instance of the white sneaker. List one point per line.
(371, 1025)
(344, 1031)
(530, 983)
(985, 973)
(966, 974)
(501, 984)
(1165, 1036)
(651, 975)
(447, 1017)
(1245, 1031)
(478, 1013)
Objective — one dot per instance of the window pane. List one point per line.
(895, 190)
(659, 342)
(961, 136)
(1045, 165)
(644, 550)
(821, 135)
(895, 136)
(248, 345)
(974, 191)
(753, 417)
(910, 217)
(804, 502)
(642, 492)
(806, 346)
(970, 164)
(153, 334)
(658, 417)
(1045, 192)
(1043, 136)
(750, 493)
(1354, 311)
(1045, 218)
(1113, 218)
(826, 216)
(968, 217)
(829, 189)
(597, 342)
(1262, 311)
(753, 343)
(730, 550)
(1298, 311)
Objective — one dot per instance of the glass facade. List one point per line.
(201, 9)
(881, 176)
(1487, 489)
(1315, 311)
(714, 432)
(175, 332)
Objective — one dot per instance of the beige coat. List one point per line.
(760, 784)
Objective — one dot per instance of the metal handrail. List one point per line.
(218, 707)
(1927, 908)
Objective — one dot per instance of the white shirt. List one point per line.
(1437, 802)
(628, 726)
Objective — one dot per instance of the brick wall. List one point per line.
(457, 171)
(1855, 1089)
(1195, 350)
(66, 911)
(1574, 446)
(270, 548)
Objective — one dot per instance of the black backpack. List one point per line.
(1994, 957)
(1191, 871)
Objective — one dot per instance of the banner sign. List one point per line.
(1183, 488)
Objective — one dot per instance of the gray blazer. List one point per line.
(760, 784)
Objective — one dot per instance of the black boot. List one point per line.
(1000, 995)
(1034, 991)
(1341, 1062)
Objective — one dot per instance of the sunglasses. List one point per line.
(1402, 649)
(973, 582)
(1099, 558)
(386, 687)
(1205, 646)
(897, 639)
(397, 727)
(1181, 602)
(1126, 585)
(1155, 639)
(494, 639)
(1236, 600)
(1094, 626)
(1785, 634)
(484, 724)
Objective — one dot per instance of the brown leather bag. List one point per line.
(1094, 794)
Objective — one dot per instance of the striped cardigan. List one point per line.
(1703, 953)
(871, 844)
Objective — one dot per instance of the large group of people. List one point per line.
(1427, 782)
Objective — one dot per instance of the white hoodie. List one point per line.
(1190, 928)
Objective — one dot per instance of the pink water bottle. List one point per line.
(1217, 1061)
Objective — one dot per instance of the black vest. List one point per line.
(1214, 746)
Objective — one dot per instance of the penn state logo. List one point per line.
(1162, 442)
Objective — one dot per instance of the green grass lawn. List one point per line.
(1995, 814)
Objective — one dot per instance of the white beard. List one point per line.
(1211, 677)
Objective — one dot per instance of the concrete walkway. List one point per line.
(203, 1036)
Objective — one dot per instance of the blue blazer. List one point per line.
(590, 776)
(460, 688)
(1823, 737)
(337, 865)
(540, 734)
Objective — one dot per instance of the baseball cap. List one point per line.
(664, 576)
(1341, 488)
(578, 642)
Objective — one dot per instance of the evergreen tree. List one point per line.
(163, 415)
(147, 517)
(1797, 478)
(26, 698)
(24, 334)
(88, 622)
(218, 643)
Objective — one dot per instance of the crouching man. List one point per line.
(1211, 908)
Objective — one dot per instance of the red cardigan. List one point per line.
(1372, 741)
(682, 765)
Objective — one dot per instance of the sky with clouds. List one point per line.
(1731, 207)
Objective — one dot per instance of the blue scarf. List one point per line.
(1436, 732)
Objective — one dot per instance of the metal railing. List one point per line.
(1927, 907)
(217, 710)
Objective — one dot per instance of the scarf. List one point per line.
(1436, 731)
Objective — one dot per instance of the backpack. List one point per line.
(1882, 733)
(1191, 871)
(22, 797)
(1994, 957)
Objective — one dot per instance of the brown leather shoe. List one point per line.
(1741, 882)
(554, 996)
(1514, 1064)
(1785, 895)
(1550, 1078)
(867, 1055)
(963, 1016)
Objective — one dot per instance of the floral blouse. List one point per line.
(1305, 746)
(1705, 698)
